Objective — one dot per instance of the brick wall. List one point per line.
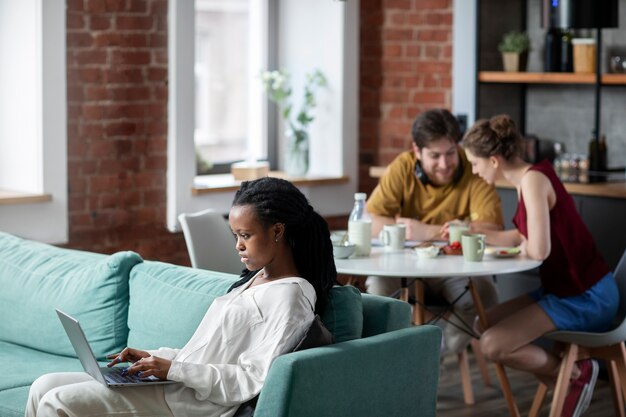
(117, 110)
(117, 128)
(406, 68)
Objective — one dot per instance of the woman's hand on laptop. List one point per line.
(151, 366)
(127, 355)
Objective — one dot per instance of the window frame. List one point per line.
(334, 154)
(46, 219)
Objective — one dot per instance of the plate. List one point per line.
(503, 252)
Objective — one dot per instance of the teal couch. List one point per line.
(379, 365)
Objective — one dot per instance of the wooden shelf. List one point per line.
(548, 78)
(614, 79)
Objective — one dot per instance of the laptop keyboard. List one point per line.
(118, 376)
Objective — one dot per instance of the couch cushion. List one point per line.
(167, 302)
(343, 315)
(13, 402)
(21, 365)
(37, 278)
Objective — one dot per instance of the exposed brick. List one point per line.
(115, 5)
(118, 75)
(96, 93)
(100, 22)
(140, 6)
(80, 38)
(74, 5)
(397, 4)
(131, 58)
(134, 22)
(75, 21)
(90, 57)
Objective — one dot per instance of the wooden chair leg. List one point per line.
(562, 382)
(620, 363)
(616, 390)
(540, 395)
(481, 362)
(466, 379)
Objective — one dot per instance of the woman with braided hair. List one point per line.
(578, 291)
(286, 249)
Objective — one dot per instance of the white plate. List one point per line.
(503, 252)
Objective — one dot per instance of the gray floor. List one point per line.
(489, 400)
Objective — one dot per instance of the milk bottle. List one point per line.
(360, 226)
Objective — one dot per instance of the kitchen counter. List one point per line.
(603, 189)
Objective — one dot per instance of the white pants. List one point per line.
(76, 394)
(455, 333)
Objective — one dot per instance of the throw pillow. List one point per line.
(343, 314)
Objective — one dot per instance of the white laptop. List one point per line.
(111, 377)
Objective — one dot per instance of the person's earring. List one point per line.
(276, 239)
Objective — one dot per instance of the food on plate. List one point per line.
(453, 248)
(503, 252)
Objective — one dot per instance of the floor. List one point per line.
(489, 401)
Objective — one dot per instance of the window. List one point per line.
(33, 123)
(297, 43)
(228, 34)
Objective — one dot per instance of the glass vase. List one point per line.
(297, 156)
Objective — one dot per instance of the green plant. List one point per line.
(277, 86)
(203, 167)
(514, 41)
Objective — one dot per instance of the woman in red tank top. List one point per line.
(578, 291)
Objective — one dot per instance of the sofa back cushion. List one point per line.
(167, 302)
(384, 314)
(36, 278)
(343, 315)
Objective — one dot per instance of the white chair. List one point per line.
(608, 346)
(210, 242)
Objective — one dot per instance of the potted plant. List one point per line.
(277, 86)
(514, 47)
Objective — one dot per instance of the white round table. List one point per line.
(406, 264)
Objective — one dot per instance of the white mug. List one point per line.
(393, 236)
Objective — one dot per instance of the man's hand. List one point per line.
(416, 230)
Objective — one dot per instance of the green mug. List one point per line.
(473, 245)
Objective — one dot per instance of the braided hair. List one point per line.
(275, 200)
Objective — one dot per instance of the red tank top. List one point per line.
(574, 263)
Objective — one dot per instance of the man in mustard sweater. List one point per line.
(425, 189)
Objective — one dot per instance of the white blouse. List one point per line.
(227, 359)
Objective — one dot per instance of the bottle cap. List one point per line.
(360, 196)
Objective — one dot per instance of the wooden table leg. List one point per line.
(500, 372)
(404, 290)
(418, 309)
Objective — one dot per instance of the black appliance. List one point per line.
(536, 149)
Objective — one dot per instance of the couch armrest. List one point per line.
(393, 373)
